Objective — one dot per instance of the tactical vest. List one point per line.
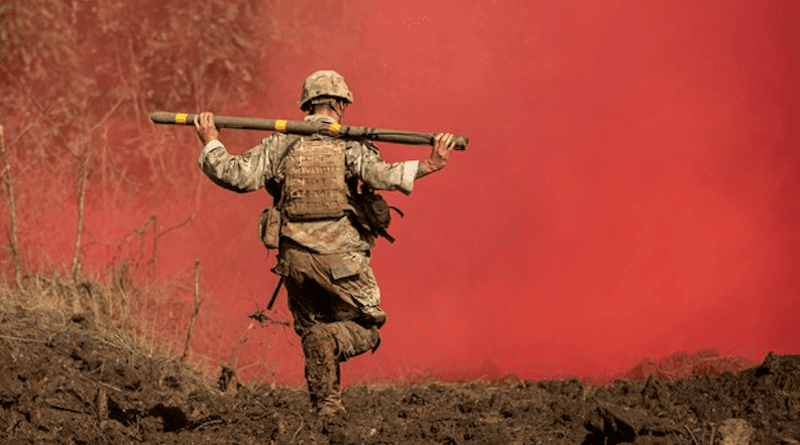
(314, 184)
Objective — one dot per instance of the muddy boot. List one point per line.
(322, 371)
(372, 316)
(330, 408)
(337, 430)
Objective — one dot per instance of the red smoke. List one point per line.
(630, 189)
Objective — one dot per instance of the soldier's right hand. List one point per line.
(207, 131)
(443, 146)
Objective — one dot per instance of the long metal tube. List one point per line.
(301, 127)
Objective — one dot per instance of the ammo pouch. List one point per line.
(269, 227)
(373, 212)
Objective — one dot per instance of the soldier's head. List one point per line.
(325, 90)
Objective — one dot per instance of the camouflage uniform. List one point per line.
(332, 292)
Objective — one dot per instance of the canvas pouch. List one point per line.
(269, 227)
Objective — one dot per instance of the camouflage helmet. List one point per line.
(324, 83)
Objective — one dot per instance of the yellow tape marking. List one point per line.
(280, 125)
(180, 118)
(335, 128)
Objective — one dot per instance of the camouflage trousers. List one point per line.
(333, 299)
(324, 288)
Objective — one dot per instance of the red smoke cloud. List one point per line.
(630, 189)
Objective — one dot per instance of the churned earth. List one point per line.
(64, 381)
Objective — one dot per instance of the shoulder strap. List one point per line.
(275, 189)
(287, 150)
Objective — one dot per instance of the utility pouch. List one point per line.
(343, 265)
(269, 227)
(373, 212)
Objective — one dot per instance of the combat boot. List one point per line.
(330, 407)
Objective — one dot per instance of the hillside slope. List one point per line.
(75, 380)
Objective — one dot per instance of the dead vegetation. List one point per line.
(114, 314)
(79, 80)
(83, 171)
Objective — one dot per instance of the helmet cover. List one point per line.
(325, 83)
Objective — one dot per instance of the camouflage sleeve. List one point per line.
(241, 173)
(365, 162)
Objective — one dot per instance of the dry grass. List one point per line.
(46, 306)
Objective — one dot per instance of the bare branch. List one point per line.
(25, 130)
(81, 198)
(107, 115)
(157, 235)
(12, 210)
(196, 308)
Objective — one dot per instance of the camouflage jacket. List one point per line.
(262, 165)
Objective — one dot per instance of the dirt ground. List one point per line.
(69, 385)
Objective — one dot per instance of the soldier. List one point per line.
(324, 252)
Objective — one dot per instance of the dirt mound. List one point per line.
(682, 365)
(65, 383)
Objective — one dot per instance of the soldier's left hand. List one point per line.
(206, 129)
